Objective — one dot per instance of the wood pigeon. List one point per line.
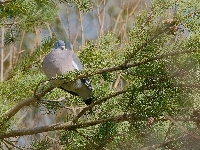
(60, 61)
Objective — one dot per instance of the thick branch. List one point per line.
(63, 126)
(23, 103)
(142, 62)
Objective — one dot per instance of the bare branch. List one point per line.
(62, 24)
(119, 15)
(134, 8)
(10, 143)
(82, 29)
(2, 52)
(61, 126)
(181, 127)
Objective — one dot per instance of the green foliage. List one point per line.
(106, 48)
(43, 144)
(25, 15)
(105, 131)
(33, 61)
(72, 140)
(27, 12)
(158, 63)
(24, 76)
(82, 5)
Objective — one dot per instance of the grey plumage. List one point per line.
(60, 61)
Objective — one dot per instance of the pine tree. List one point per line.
(145, 76)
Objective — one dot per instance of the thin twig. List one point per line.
(68, 28)
(10, 143)
(103, 18)
(82, 29)
(49, 29)
(20, 47)
(168, 132)
(6, 144)
(62, 24)
(118, 17)
(134, 8)
(2, 53)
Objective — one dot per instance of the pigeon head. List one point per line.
(59, 45)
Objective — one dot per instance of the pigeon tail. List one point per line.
(86, 81)
(88, 101)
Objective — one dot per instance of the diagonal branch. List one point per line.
(163, 145)
(23, 103)
(181, 127)
(65, 126)
(142, 62)
(96, 103)
(36, 97)
(165, 30)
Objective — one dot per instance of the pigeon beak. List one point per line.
(63, 47)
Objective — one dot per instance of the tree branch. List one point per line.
(181, 127)
(188, 85)
(167, 28)
(163, 144)
(4, 2)
(96, 103)
(63, 126)
(36, 97)
(124, 67)
(23, 103)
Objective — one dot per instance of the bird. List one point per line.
(59, 62)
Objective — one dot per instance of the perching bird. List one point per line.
(60, 61)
